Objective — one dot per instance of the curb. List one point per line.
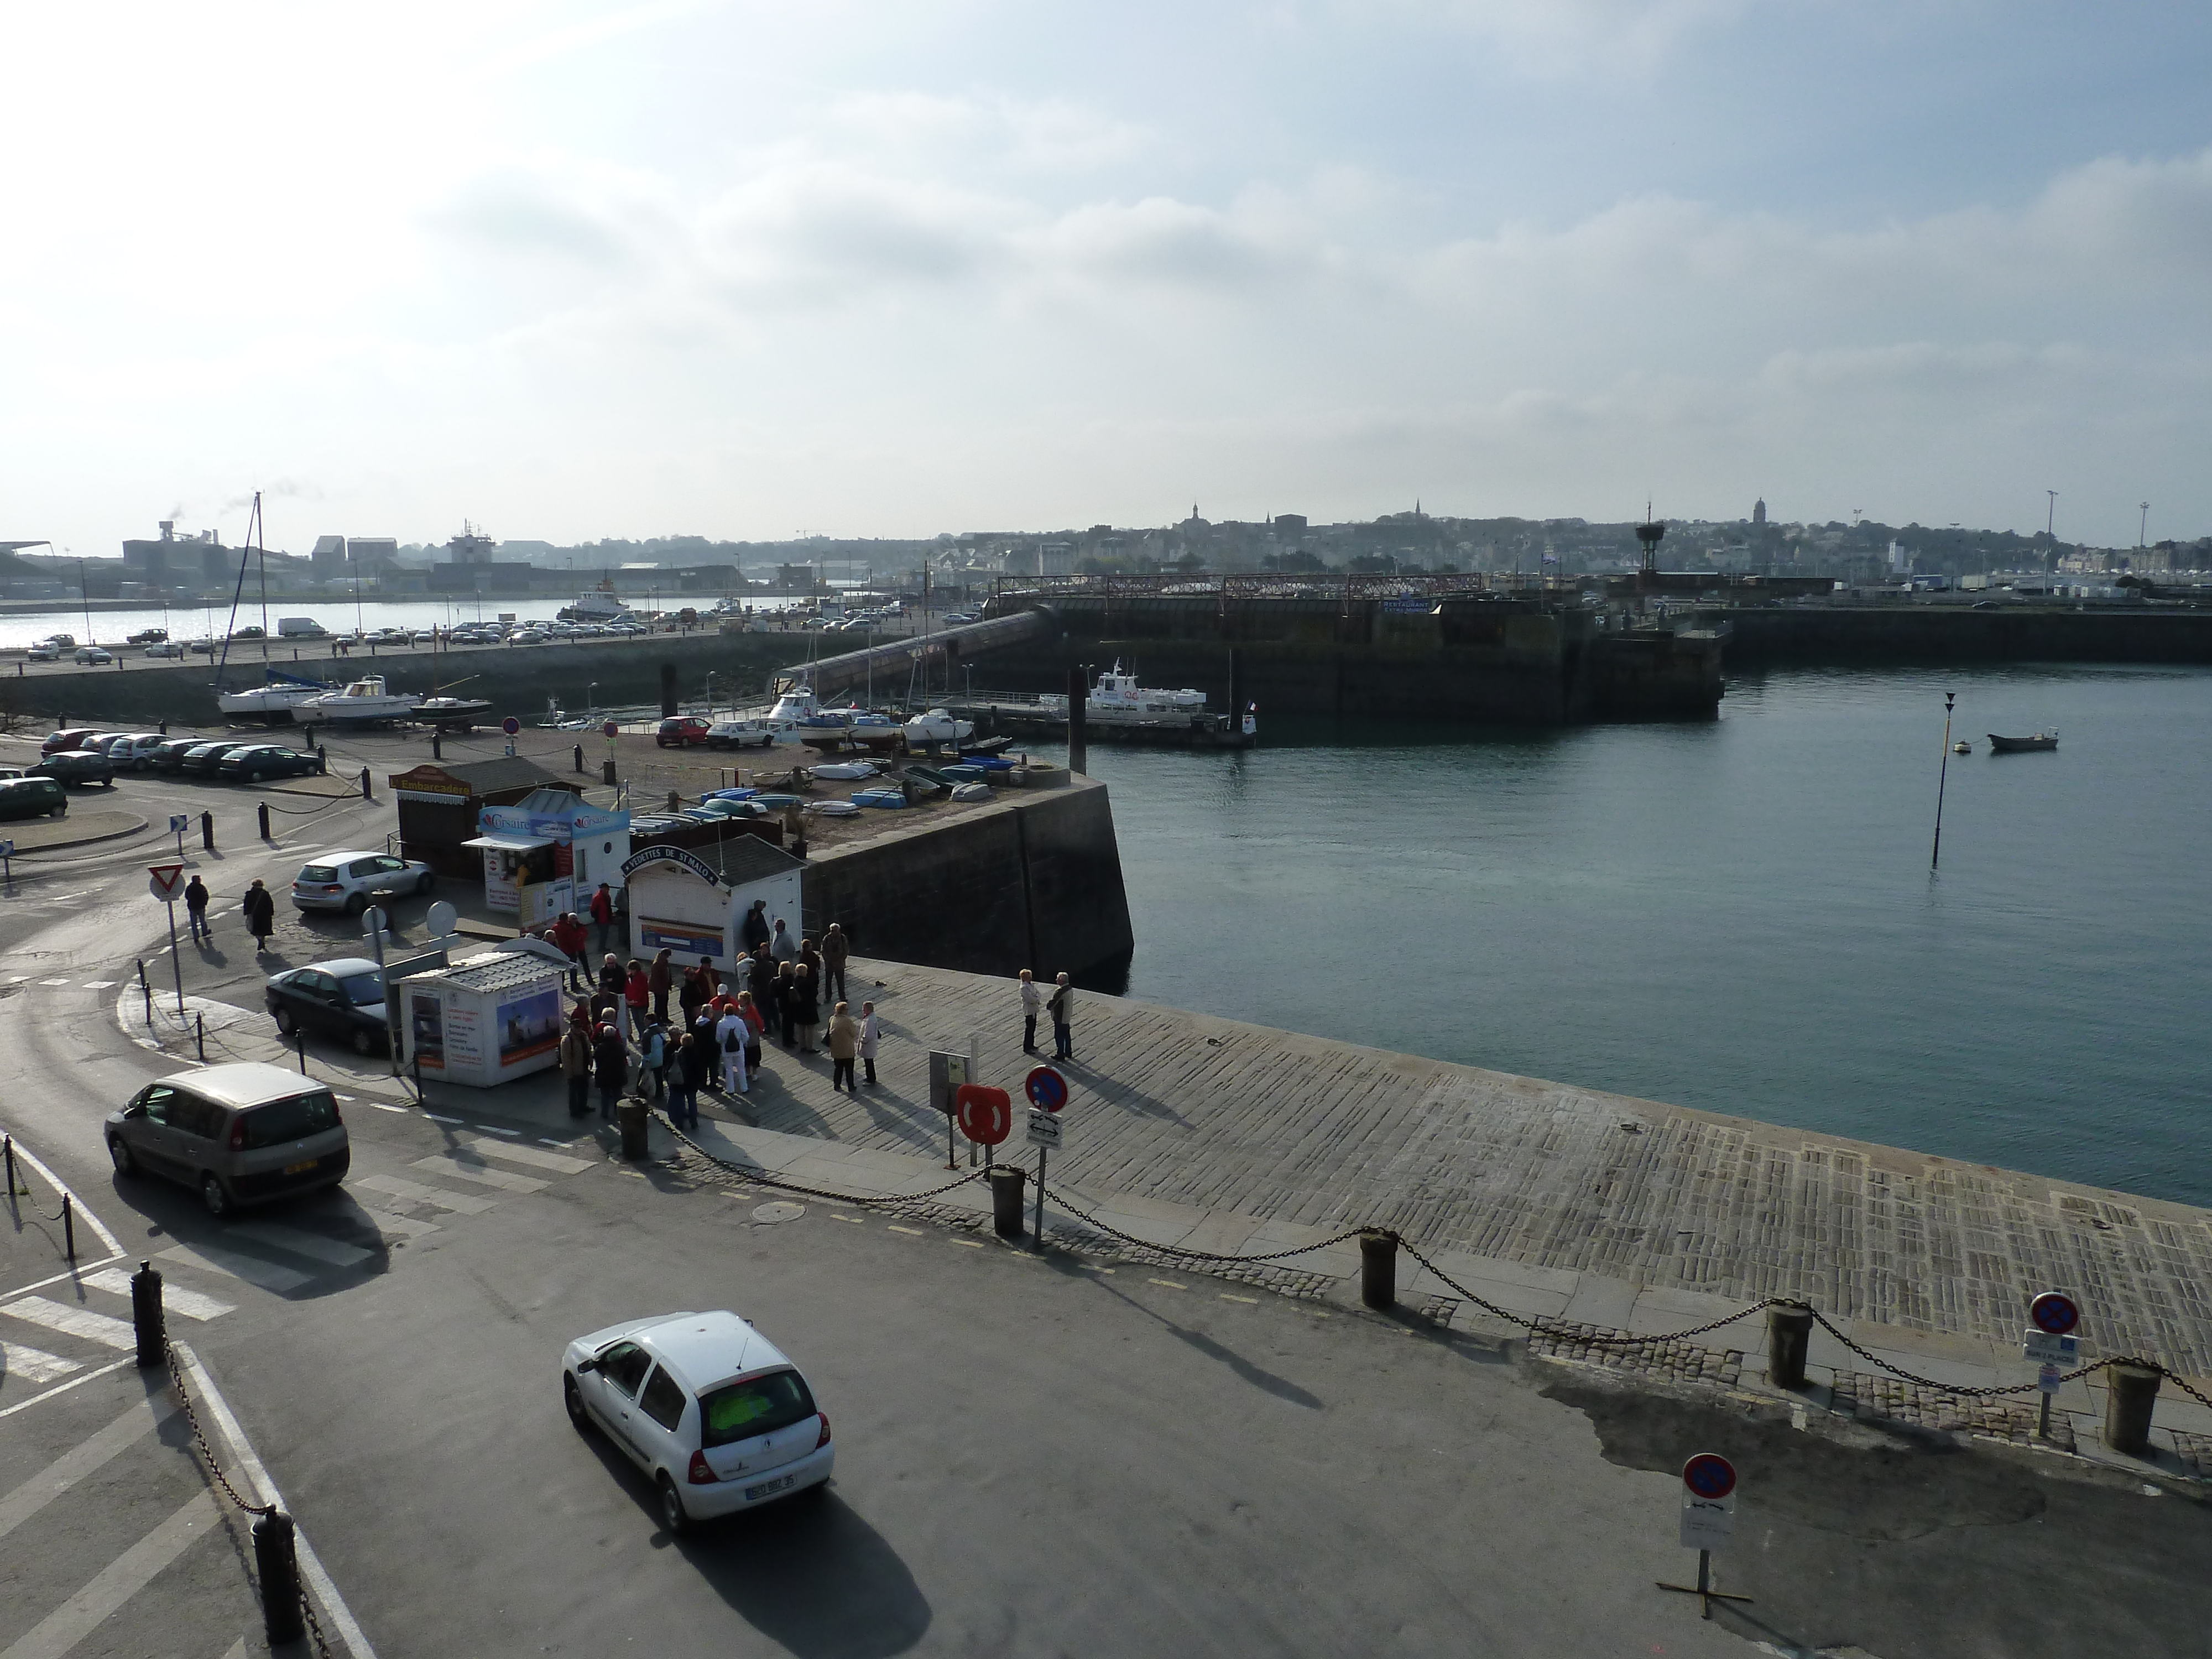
(84, 840)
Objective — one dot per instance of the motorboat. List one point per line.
(938, 725)
(1118, 693)
(793, 705)
(280, 698)
(598, 605)
(361, 701)
(2041, 740)
(457, 712)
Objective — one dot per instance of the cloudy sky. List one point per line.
(576, 269)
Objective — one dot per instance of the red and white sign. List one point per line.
(168, 883)
(986, 1115)
(1708, 1502)
(613, 729)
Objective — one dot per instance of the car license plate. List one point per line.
(769, 1488)
(302, 1169)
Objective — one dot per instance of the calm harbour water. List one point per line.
(1736, 916)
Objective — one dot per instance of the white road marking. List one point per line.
(381, 1107)
(497, 1130)
(53, 982)
(81, 1460)
(436, 1118)
(233, 1265)
(32, 1365)
(64, 1387)
(462, 1169)
(72, 1322)
(175, 1298)
(299, 1242)
(406, 1226)
(559, 1163)
(415, 1193)
(116, 1583)
(99, 984)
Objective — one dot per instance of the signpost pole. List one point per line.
(1037, 1227)
(176, 960)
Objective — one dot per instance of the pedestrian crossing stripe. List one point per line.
(71, 1321)
(34, 1366)
(175, 1298)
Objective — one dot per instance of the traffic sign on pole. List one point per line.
(1046, 1089)
(1044, 1129)
(612, 729)
(1708, 1523)
(166, 883)
(511, 726)
(1709, 1476)
(986, 1115)
(2054, 1312)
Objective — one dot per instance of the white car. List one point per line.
(348, 881)
(136, 749)
(93, 656)
(711, 1410)
(44, 651)
(166, 648)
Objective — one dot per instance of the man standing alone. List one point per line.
(835, 951)
(1062, 1008)
(196, 904)
(1032, 1006)
(603, 915)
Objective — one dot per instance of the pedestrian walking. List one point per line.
(836, 949)
(196, 904)
(1032, 1006)
(610, 1068)
(685, 1079)
(729, 1036)
(576, 1064)
(603, 915)
(805, 1011)
(756, 1023)
(637, 995)
(754, 930)
(781, 945)
(1062, 1009)
(660, 979)
(260, 915)
(871, 1030)
(843, 1042)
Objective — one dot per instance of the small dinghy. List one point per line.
(845, 771)
(883, 798)
(2041, 740)
(831, 809)
(972, 792)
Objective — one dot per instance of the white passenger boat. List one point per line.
(361, 701)
(1118, 693)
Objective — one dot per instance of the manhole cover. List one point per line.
(780, 1209)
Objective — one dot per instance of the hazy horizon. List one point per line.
(870, 270)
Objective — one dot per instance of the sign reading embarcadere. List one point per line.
(691, 861)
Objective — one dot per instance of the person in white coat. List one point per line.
(871, 1030)
(1032, 1006)
(731, 1033)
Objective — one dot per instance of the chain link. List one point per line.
(763, 1178)
(1059, 1197)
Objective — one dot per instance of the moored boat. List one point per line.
(280, 698)
(363, 701)
(2041, 740)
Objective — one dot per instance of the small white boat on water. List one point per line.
(363, 701)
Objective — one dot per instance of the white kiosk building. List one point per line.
(692, 901)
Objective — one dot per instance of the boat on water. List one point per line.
(279, 699)
(1118, 693)
(598, 605)
(361, 701)
(2041, 740)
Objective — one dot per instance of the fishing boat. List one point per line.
(279, 699)
(1118, 693)
(599, 604)
(361, 703)
(2041, 740)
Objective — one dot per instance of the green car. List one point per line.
(31, 798)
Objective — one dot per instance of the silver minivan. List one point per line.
(236, 1134)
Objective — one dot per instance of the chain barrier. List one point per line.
(1059, 1196)
(763, 1178)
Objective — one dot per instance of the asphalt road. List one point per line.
(1034, 1456)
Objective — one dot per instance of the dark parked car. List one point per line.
(682, 730)
(169, 755)
(77, 766)
(257, 761)
(201, 759)
(72, 738)
(149, 636)
(31, 798)
(342, 997)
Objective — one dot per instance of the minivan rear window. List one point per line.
(739, 1410)
(281, 1120)
(319, 872)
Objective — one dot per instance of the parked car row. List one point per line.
(696, 731)
(88, 756)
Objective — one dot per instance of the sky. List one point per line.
(748, 270)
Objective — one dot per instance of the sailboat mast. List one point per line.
(262, 558)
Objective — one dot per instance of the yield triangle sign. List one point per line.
(168, 882)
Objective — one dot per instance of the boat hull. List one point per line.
(2037, 744)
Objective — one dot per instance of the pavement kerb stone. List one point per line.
(107, 824)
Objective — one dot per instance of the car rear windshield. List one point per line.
(319, 872)
(739, 1410)
(361, 989)
(288, 1120)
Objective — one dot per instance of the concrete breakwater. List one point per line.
(1476, 657)
(1952, 633)
(1033, 880)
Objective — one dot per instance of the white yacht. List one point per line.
(938, 725)
(363, 701)
(1117, 693)
(280, 698)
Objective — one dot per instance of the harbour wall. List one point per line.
(1952, 633)
(1032, 881)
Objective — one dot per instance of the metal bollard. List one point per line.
(365, 794)
(1007, 1200)
(607, 772)
(207, 831)
(300, 1039)
(1789, 1337)
(631, 1115)
(579, 757)
(8, 1150)
(2131, 1393)
(146, 1316)
(1378, 1268)
(275, 1559)
(437, 742)
(199, 1033)
(68, 1226)
(263, 808)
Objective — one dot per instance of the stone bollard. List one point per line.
(631, 1116)
(579, 757)
(1378, 1266)
(275, 1559)
(1788, 1335)
(365, 793)
(146, 1314)
(2131, 1393)
(263, 808)
(1007, 1200)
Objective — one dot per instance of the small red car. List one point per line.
(682, 730)
(72, 739)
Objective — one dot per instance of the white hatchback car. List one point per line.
(711, 1410)
(348, 881)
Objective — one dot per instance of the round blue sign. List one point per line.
(510, 725)
(1709, 1476)
(2053, 1313)
(1045, 1088)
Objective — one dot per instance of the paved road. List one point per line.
(1034, 1456)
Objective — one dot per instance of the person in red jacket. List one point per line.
(568, 934)
(637, 995)
(603, 915)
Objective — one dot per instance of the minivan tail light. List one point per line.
(700, 1474)
(824, 1440)
(238, 1132)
